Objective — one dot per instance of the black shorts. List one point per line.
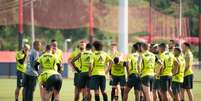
(76, 79)
(148, 81)
(156, 85)
(54, 82)
(188, 82)
(83, 80)
(176, 87)
(97, 82)
(20, 77)
(118, 80)
(134, 81)
(165, 82)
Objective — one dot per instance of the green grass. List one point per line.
(8, 87)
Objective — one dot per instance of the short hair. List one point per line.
(97, 45)
(163, 45)
(48, 47)
(178, 49)
(116, 60)
(135, 46)
(36, 42)
(138, 45)
(53, 40)
(89, 46)
(187, 44)
(144, 46)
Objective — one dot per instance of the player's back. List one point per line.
(100, 61)
(167, 59)
(148, 64)
(48, 61)
(86, 59)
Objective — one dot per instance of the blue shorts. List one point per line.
(83, 80)
(188, 82)
(20, 77)
(165, 82)
(118, 80)
(98, 81)
(134, 81)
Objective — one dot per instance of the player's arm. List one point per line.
(36, 66)
(108, 60)
(37, 63)
(59, 67)
(109, 66)
(175, 67)
(126, 65)
(160, 66)
(21, 59)
(91, 63)
(73, 62)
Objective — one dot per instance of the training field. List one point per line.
(7, 88)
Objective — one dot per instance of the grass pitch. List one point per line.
(7, 89)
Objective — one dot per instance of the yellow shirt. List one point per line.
(167, 60)
(179, 76)
(86, 59)
(100, 61)
(188, 59)
(148, 64)
(46, 74)
(118, 69)
(73, 55)
(20, 67)
(48, 62)
(59, 55)
(133, 60)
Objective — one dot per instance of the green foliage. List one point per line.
(190, 10)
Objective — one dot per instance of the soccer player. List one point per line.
(118, 77)
(167, 60)
(178, 74)
(86, 62)
(82, 47)
(30, 76)
(156, 86)
(98, 71)
(21, 57)
(133, 74)
(147, 71)
(56, 51)
(48, 62)
(52, 82)
(113, 54)
(188, 72)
